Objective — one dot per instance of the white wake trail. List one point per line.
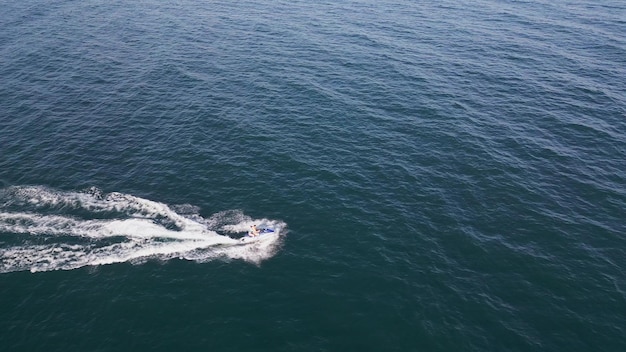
(43, 229)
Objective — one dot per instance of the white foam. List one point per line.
(116, 228)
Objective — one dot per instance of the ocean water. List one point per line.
(440, 176)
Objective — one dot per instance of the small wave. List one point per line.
(43, 229)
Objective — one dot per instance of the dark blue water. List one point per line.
(443, 176)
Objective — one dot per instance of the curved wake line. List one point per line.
(43, 229)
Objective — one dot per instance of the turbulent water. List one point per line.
(117, 228)
(440, 176)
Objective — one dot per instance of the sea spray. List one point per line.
(44, 229)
